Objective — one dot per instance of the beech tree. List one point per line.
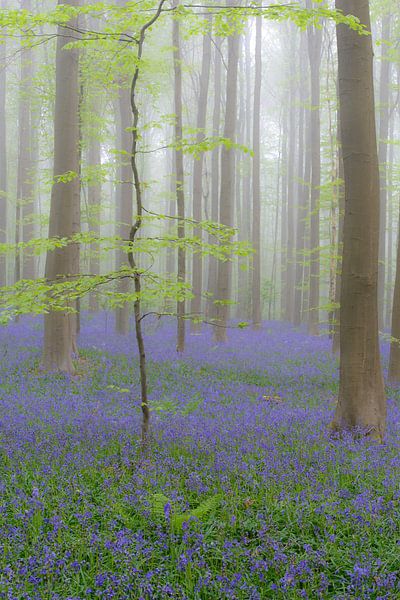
(361, 403)
(63, 263)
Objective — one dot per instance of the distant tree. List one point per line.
(179, 182)
(197, 271)
(61, 263)
(361, 402)
(314, 38)
(3, 157)
(256, 229)
(226, 204)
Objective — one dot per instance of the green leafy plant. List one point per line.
(161, 507)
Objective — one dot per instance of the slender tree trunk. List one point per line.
(394, 357)
(314, 37)
(284, 209)
(24, 261)
(382, 157)
(227, 183)
(124, 201)
(302, 194)
(361, 402)
(3, 159)
(291, 203)
(389, 283)
(197, 274)
(94, 205)
(59, 327)
(180, 176)
(215, 164)
(341, 198)
(256, 229)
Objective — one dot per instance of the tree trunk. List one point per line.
(24, 261)
(302, 194)
(291, 204)
(394, 357)
(361, 402)
(227, 184)
(3, 159)
(124, 201)
(197, 273)
(180, 175)
(94, 205)
(314, 37)
(59, 326)
(256, 229)
(215, 164)
(384, 91)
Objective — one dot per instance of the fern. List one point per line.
(201, 512)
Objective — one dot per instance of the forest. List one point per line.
(199, 299)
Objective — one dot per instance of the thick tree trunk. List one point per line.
(384, 92)
(361, 402)
(180, 176)
(59, 327)
(3, 159)
(314, 37)
(124, 201)
(256, 229)
(227, 184)
(197, 273)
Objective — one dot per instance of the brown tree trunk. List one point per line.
(180, 175)
(314, 37)
(59, 326)
(361, 402)
(227, 184)
(124, 201)
(256, 229)
(384, 91)
(3, 159)
(197, 273)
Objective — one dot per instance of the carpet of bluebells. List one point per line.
(300, 515)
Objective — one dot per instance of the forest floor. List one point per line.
(239, 429)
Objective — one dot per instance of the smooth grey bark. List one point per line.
(361, 404)
(291, 201)
(302, 191)
(94, 206)
(124, 211)
(384, 92)
(314, 38)
(59, 326)
(24, 261)
(256, 229)
(227, 184)
(284, 207)
(197, 265)
(180, 176)
(3, 158)
(215, 176)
